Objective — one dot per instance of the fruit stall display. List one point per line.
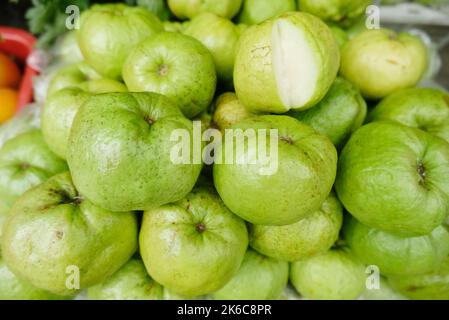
(128, 168)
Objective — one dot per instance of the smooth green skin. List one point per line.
(257, 11)
(174, 26)
(26, 161)
(220, 37)
(13, 288)
(259, 278)
(341, 12)
(185, 258)
(358, 27)
(254, 77)
(175, 65)
(423, 108)
(395, 178)
(4, 210)
(73, 75)
(188, 9)
(131, 282)
(61, 108)
(229, 111)
(52, 227)
(430, 286)
(340, 35)
(339, 114)
(385, 292)
(170, 295)
(389, 61)
(109, 32)
(334, 275)
(310, 236)
(395, 255)
(120, 161)
(304, 179)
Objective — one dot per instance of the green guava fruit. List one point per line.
(338, 115)
(305, 238)
(59, 241)
(13, 288)
(194, 246)
(286, 186)
(288, 62)
(26, 161)
(333, 275)
(381, 62)
(430, 286)
(175, 65)
(341, 12)
(396, 255)
(423, 108)
(229, 111)
(109, 32)
(257, 11)
(395, 178)
(120, 151)
(188, 9)
(220, 36)
(131, 282)
(61, 107)
(259, 278)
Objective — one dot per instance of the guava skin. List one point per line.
(61, 107)
(109, 32)
(120, 151)
(430, 286)
(73, 75)
(339, 114)
(341, 12)
(175, 65)
(254, 76)
(188, 9)
(310, 236)
(395, 255)
(423, 108)
(340, 35)
(259, 278)
(333, 275)
(13, 288)
(131, 282)
(26, 161)
(229, 111)
(220, 37)
(389, 61)
(53, 227)
(257, 11)
(395, 178)
(306, 170)
(194, 246)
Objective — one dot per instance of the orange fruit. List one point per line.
(9, 72)
(8, 103)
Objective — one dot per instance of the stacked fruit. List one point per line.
(144, 181)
